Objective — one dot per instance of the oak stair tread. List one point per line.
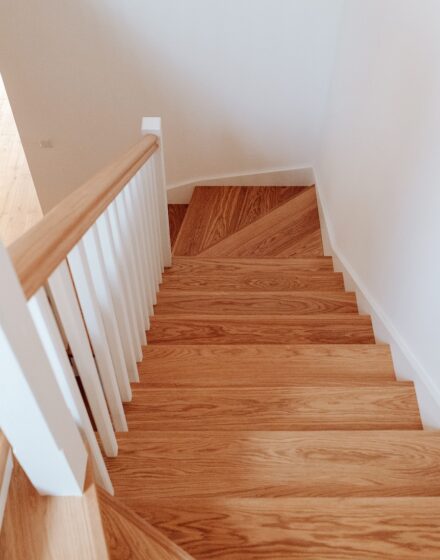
(261, 329)
(302, 528)
(291, 229)
(256, 282)
(300, 408)
(166, 464)
(265, 365)
(214, 213)
(131, 537)
(215, 267)
(218, 303)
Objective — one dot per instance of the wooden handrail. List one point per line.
(38, 252)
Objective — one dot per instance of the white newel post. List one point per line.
(33, 413)
(153, 125)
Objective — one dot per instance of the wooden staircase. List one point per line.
(267, 423)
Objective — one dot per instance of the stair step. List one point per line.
(302, 528)
(160, 464)
(216, 212)
(291, 229)
(300, 408)
(225, 266)
(261, 329)
(250, 281)
(131, 537)
(207, 365)
(176, 214)
(250, 303)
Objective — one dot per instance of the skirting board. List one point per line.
(406, 365)
(293, 177)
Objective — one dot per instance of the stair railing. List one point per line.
(76, 294)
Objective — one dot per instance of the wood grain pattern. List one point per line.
(176, 214)
(291, 229)
(50, 528)
(217, 212)
(224, 266)
(130, 537)
(165, 464)
(302, 528)
(255, 303)
(256, 282)
(299, 408)
(261, 329)
(41, 249)
(265, 366)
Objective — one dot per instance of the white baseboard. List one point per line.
(292, 177)
(406, 364)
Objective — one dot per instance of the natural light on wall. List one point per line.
(19, 206)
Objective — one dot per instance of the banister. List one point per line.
(40, 250)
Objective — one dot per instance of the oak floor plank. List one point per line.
(222, 266)
(256, 281)
(176, 214)
(261, 329)
(302, 528)
(216, 212)
(254, 303)
(208, 365)
(291, 229)
(166, 464)
(300, 408)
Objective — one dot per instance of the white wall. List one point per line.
(379, 172)
(240, 84)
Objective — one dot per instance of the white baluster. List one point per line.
(152, 222)
(139, 201)
(92, 317)
(102, 289)
(117, 283)
(33, 414)
(124, 261)
(153, 125)
(133, 269)
(139, 259)
(50, 336)
(65, 299)
(134, 199)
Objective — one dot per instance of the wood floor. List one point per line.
(268, 424)
(19, 206)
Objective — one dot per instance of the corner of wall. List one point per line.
(406, 364)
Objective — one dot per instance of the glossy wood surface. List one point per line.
(132, 538)
(208, 365)
(256, 281)
(255, 303)
(261, 329)
(292, 229)
(166, 464)
(217, 212)
(51, 528)
(302, 528)
(281, 408)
